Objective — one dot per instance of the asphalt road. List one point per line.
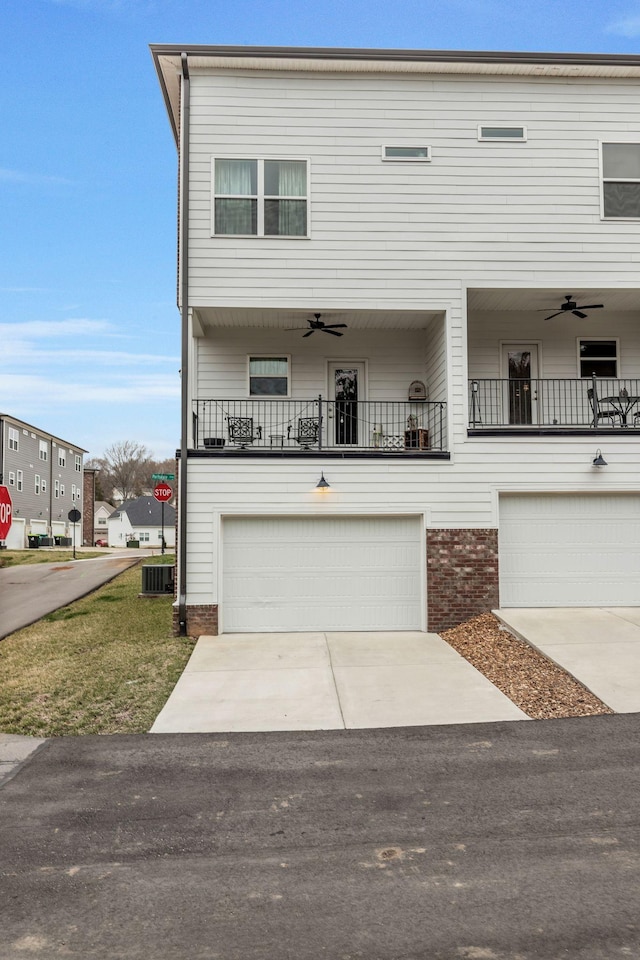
(29, 592)
(509, 841)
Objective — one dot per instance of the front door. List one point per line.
(520, 366)
(347, 390)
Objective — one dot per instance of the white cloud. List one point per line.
(626, 27)
(21, 176)
(46, 329)
(18, 350)
(34, 390)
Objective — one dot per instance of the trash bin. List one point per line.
(133, 543)
(57, 541)
(45, 541)
(34, 541)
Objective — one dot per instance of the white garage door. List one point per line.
(16, 538)
(573, 550)
(304, 574)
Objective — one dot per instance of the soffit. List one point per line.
(543, 298)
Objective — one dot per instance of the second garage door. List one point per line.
(294, 574)
(569, 550)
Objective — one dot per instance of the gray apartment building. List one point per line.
(44, 475)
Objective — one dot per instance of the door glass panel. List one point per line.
(519, 362)
(346, 394)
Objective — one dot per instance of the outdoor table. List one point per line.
(621, 404)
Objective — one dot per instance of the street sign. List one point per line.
(74, 515)
(163, 492)
(6, 511)
(163, 476)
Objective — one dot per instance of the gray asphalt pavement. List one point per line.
(505, 841)
(29, 592)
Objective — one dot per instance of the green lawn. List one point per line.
(105, 664)
(13, 558)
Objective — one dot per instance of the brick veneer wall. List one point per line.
(201, 618)
(462, 576)
(88, 505)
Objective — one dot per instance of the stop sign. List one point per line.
(163, 492)
(5, 513)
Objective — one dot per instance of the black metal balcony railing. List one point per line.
(579, 404)
(338, 425)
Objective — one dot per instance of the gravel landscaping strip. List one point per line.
(539, 687)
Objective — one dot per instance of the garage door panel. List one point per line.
(566, 550)
(297, 574)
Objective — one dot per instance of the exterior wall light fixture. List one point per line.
(322, 485)
(599, 460)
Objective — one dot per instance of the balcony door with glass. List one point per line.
(520, 374)
(347, 390)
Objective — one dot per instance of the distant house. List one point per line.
(44, 475)
(101, 512)
(141, 520)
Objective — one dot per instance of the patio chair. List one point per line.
(601, 412)
(242, 432)
(307, 432)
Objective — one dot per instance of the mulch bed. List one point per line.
(539, 687)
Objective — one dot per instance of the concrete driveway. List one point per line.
(325, 681)
(600, 646)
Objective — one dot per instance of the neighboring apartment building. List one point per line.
(417, 276)
(44, 475)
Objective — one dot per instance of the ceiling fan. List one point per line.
(318, 324)
(572, 307)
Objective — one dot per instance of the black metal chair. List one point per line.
(242, 431)
(601, 412)
(307, 432)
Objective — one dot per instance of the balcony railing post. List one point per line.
(319, 421)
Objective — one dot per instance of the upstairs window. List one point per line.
(268, 376)
(62, 457)
(19, 480)
(37, 483)
(599, 357)
(501, 132)
(621, 181)
(260, 198)
(14, 438)
(78, 464)
(422, 153)
(43, 450)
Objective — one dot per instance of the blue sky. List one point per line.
(89, 329)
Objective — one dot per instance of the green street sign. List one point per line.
(163, 476)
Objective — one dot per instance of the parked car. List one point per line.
(102, 543)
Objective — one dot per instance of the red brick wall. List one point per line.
(201, 618)
(462, 576)
(88, 502)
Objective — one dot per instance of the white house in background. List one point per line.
(416, 274)
(101, 512)
(141, 520)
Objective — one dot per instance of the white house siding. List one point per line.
(520, 213)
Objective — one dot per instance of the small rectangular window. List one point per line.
(62, 458)
(37, 483)
(12, 478)
(268, 376)
(14, 438)
(62, 489)
(43, 450)
(599, 357)
(43, 485)
(78, 464)
(56, 488)
(501, 132)
(407, 153)
(621, 181)
(19, 480)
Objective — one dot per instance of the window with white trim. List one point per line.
(43, 450)
(268, 376)
(599, 357)
(501, 131)
(56, 488)
(37, 483)
(260, 197)
(143, 536)
(412, 154)
(19, 480)
(14, 439)
(621, 181)
(12, 478)
(78, 464)
(43, 485)
(62, 457)
(62, 489)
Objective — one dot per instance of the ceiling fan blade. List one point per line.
(582, 316)
(554, 315)
(334, 333)
(329, 326)
(307, 334)
(591, 306)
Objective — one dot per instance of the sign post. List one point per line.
(163, 493)
(74, 515)
(6, 512)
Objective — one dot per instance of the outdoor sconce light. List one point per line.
(599, 460)
(322, 485)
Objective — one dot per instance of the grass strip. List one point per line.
(104, 664)
(19, 558)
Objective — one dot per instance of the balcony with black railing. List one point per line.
(342, 427)
(569, 406)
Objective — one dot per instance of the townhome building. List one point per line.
(409, 288)
(44, 476)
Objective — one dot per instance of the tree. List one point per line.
(124, 469)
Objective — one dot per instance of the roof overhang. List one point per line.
(167, 60)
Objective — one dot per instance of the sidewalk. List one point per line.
(325, 681)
